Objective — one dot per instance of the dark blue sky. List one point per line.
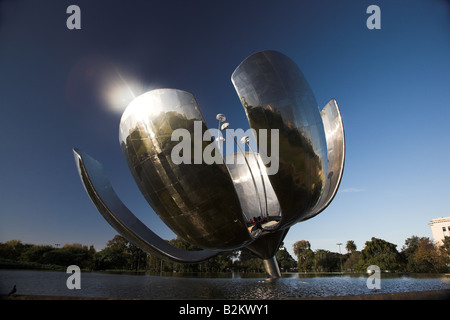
(63, 88)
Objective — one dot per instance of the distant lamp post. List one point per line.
(340, 255)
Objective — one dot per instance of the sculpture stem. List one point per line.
(271, 266)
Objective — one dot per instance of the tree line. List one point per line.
(120, 254)
(418, 255)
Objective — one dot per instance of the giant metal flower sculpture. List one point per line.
(243, 199)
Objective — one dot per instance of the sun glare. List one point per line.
(119, 91)
(118, 94)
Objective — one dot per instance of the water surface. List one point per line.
(212, 286)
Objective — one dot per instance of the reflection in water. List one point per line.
(126, 286)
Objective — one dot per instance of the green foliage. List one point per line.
(350, 246)
(109, 259)
(326, 261)
(12, 249)
(305, 256)
(119, 254)
(381, 253)
(36, 254)
(237, 260)
(417, 255)
(249, 262)
(285, 260)
(444, 251)
(351, 261)
(45, 256)
(421, 255)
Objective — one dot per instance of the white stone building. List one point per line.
(440, 228)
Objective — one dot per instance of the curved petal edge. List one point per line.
(103, 196)
(334, 134)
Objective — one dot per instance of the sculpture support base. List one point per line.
(271, 266)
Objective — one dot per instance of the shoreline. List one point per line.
(443, 294)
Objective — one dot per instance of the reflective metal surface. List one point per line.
(196, 200)
(268, 244)
(271, 267)
(334, 132)
(223, 204)
(256, 200)
(275, 95)
(120, 217)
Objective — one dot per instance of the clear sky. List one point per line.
(62, 88)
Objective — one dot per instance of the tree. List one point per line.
(320, 260)
(183, 267)
(285, 260)
(326, 261)
(114, 256)
(248, 262)
(69, 255)
(421, 255)
(408, 251)
(429, 257)
(445, 252)
(381, 253)
(219, 263)
(109, 258)
(12, 249)
(118, 243)
(350, 246)
(124, 253)
(37, 254)
(305, 256)
(137, 258)
(351, 263)
(446, 243)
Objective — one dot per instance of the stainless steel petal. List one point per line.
(334, 133)
(268, 244)
(275, 95)
(196, 200)
(102, 194)
(253, 186)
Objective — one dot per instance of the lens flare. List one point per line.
(118, 92)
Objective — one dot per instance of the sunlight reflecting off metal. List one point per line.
(225, 206)
(120, 90)
(125, 83)
(224, 127)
